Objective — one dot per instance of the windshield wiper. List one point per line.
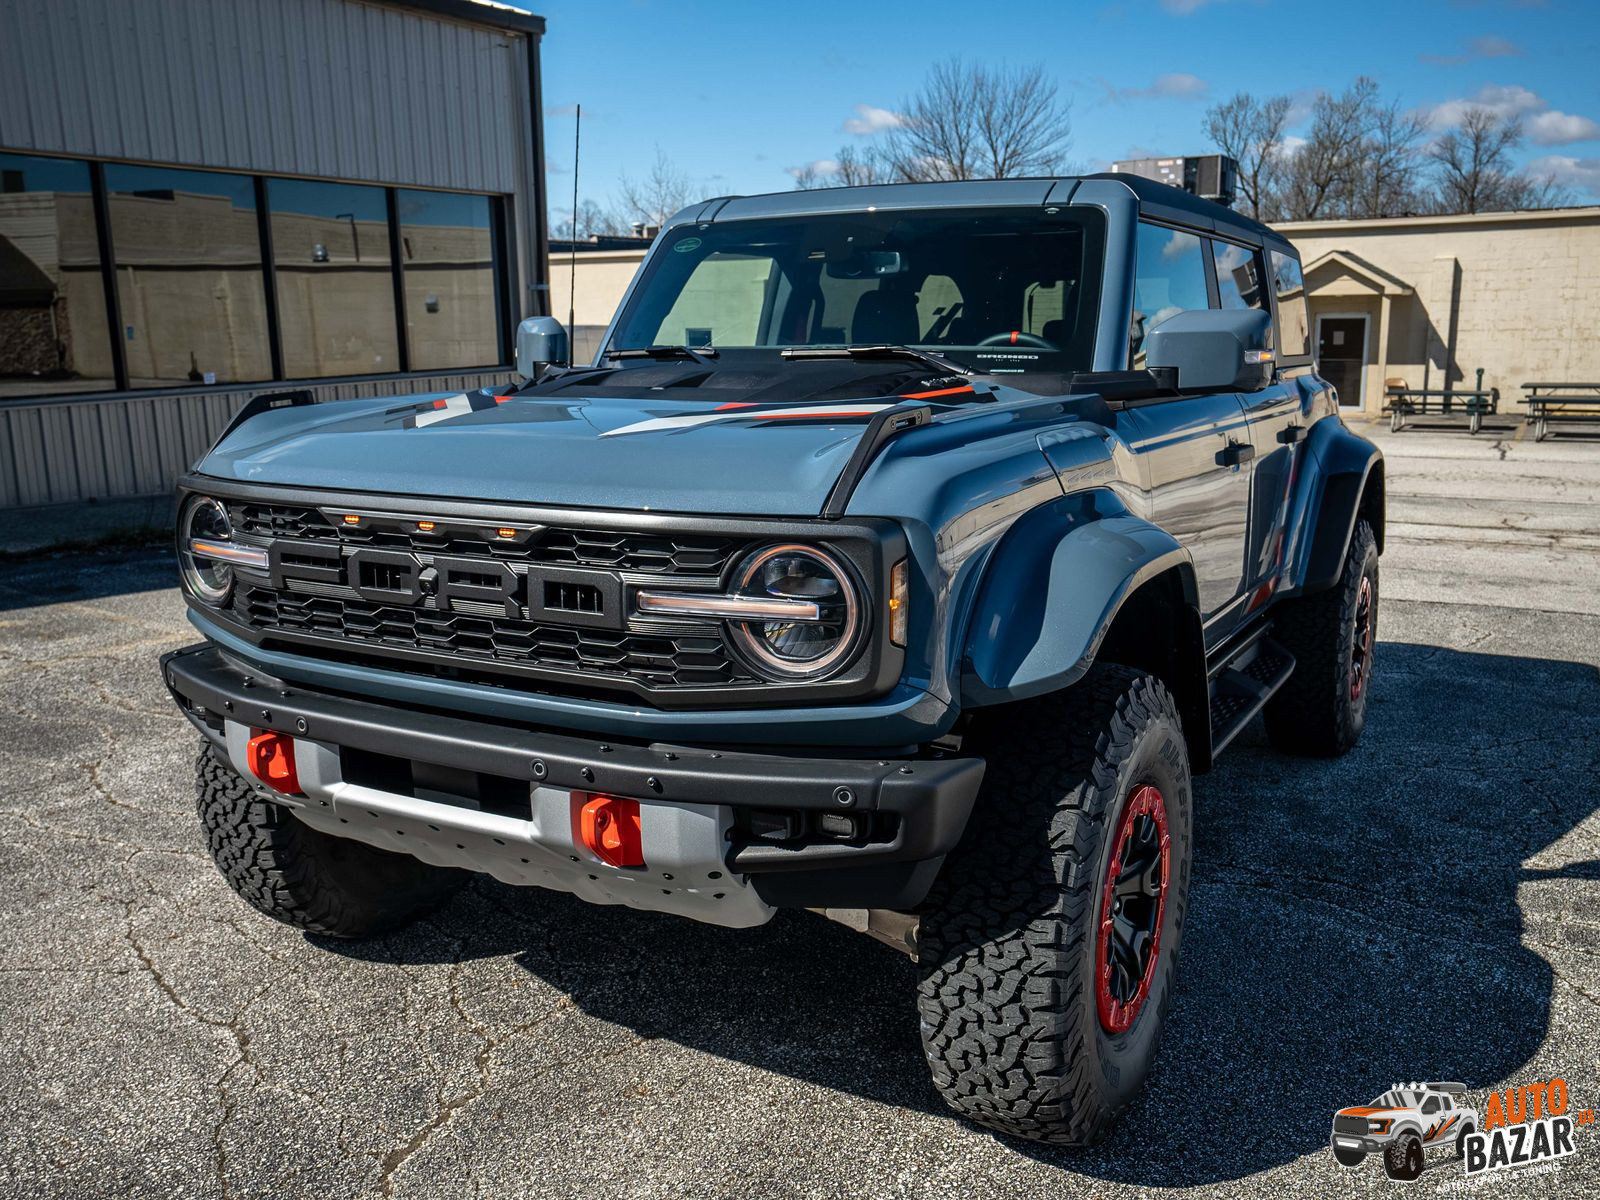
(937, 361)
(703, 354)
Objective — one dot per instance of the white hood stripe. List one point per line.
(814, 412)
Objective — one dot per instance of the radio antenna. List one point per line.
(572, 282)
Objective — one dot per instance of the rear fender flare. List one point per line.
(1051, 590)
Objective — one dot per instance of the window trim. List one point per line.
(1308, 359)
(502, 290)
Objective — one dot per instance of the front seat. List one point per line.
(884, 317)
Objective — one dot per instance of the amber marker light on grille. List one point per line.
(425, 526)
(351, 519)
(506, 533)
(899, 608)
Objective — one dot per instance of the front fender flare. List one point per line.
(1051, 590)
(1339, 465)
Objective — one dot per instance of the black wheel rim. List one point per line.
(1131, 910)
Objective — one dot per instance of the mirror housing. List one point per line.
(541, 343)
(1214, 349)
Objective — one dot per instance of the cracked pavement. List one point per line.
(1427, 907)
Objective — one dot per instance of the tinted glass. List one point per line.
(53, 332)
(1169, 278)
(995, 291)
(447, 251)
(189, 278)
(330, 244)
(1294, 327)
(1238, 276)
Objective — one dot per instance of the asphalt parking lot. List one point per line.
(1428, 907)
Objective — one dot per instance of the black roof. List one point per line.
(1201, 211)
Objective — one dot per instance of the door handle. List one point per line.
(1235, 453)
(1289, 435)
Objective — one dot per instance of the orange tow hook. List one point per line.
(609, 827)
(271, 759)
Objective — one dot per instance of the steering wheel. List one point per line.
(1017, 338)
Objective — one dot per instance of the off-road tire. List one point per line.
(302, 876)
(1007, 941)
(1315, 712)
(1403, 1158)
(1461, 1140)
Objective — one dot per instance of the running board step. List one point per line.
(1242, 687)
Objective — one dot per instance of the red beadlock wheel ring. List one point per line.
(1132, 905)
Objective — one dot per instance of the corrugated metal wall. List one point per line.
(58, 451)
(334, 89)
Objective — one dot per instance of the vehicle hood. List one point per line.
(679, 454)
(1371, 1112)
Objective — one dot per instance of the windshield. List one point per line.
(996, 291)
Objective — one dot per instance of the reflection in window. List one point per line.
(330, 244)
(447, 252)
(1169, 278)
(1294, 326)
(1238, 279)
(189, 280)
(53, 331)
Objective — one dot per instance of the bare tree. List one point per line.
(1387, 179)
(849, 168)
(651, 200)
(976, 122)
(1321, 175)
(1250, 131)
(1473, 170)
(589, 221)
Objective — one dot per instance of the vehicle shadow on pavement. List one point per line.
(1353, 923)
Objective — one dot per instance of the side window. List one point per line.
(1238, 276)
(1294, 326)
(1169, 276)
(1431, 1104)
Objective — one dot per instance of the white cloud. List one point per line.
(1487, 46)
(1291, 143)
(1580, 174)
(820, 166)
(1179, 85)
(1545, 126)
(870, 119)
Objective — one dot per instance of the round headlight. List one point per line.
(799, 648)
(204, 519)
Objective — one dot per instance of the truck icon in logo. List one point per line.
(1401, 1124)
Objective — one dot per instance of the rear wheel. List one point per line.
(1322, 708)
(1049, 944)
(302, 876)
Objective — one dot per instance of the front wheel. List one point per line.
(1402, 1159)
(1049, 944)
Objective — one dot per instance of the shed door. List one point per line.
(1341, 356)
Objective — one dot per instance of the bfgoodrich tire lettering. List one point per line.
(301, 876)
(1007, 999)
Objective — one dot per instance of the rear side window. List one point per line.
(1294, 326)
(1238, 276)
(1169, 277)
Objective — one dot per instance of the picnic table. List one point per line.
(1549, 402)
(1442, 403)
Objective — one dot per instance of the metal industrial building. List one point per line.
(204, 200)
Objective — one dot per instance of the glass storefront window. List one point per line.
(53, 332)
(330, 246)
(447, 254)
(189, 280)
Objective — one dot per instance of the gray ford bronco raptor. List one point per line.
(901, 555)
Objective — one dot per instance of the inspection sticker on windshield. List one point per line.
(685, 245)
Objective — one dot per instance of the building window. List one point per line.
(1169, 277)
(189, 284)
(1294, 326)
(1238, 276)
(53, 332)
(335, 278)
(447, 242)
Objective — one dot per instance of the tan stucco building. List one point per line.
(1426, 300)
(1431, 299)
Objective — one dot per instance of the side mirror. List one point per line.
(1214, 349)
(541, 343)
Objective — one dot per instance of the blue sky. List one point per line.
(737, 94)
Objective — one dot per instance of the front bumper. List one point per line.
(918, 806)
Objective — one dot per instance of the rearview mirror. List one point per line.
(541, 343)
(1214, 349)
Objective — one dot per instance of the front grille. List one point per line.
(1351, 1125)
(678, 660)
